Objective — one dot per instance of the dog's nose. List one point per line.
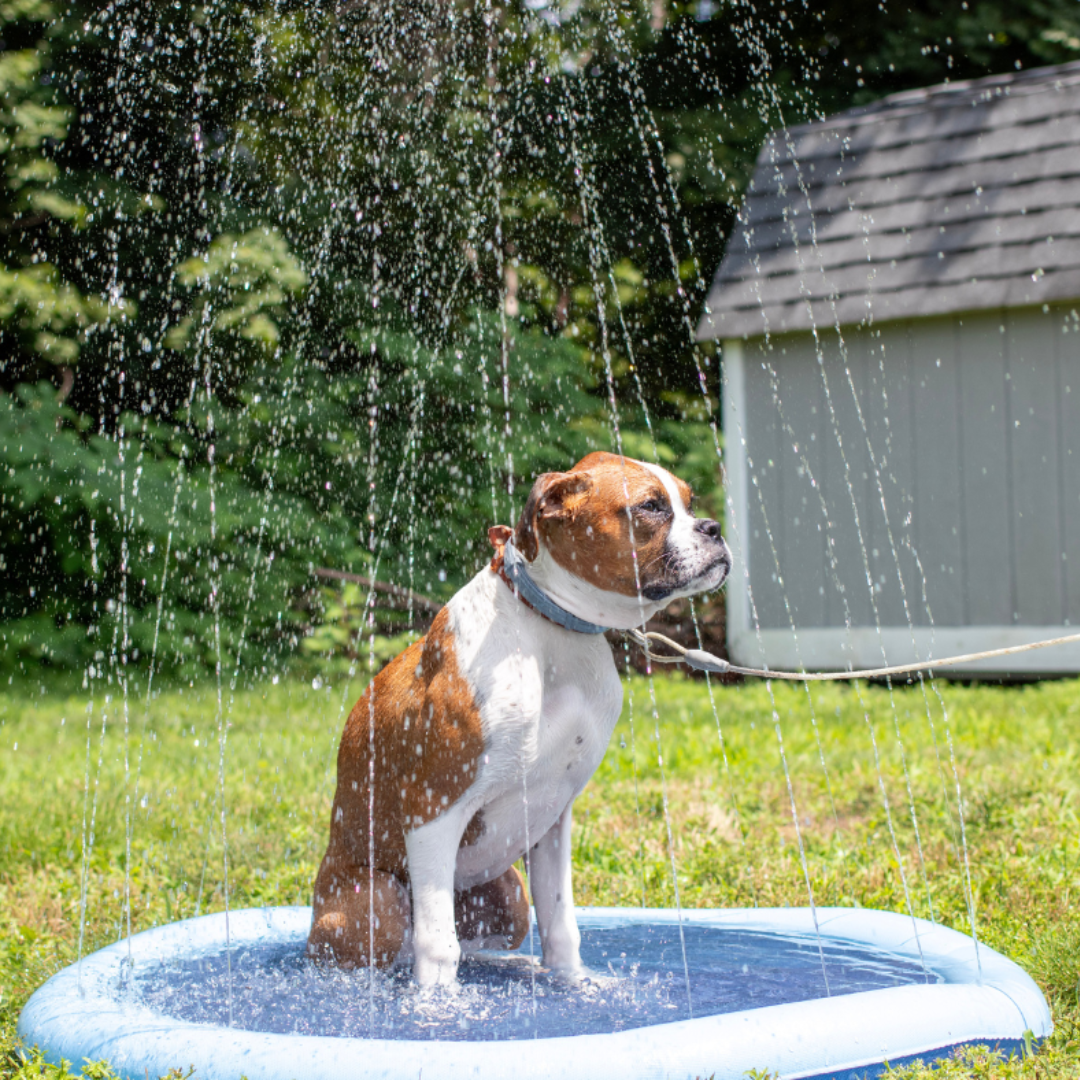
(709, 528)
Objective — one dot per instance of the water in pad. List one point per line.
(642, 982)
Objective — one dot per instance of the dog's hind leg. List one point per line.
(349, 899)
(494, 915)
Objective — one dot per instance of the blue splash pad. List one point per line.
(897, 988)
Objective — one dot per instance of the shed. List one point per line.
(899, 314)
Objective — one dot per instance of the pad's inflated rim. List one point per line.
(827, 1037)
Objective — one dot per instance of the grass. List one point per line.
(154, 781)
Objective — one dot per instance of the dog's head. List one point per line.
(613, 540)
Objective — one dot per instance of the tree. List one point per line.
(353, 274)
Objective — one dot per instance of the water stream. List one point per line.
(467, 291)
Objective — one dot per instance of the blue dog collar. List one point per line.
(517, 576)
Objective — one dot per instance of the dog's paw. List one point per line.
(435, 963)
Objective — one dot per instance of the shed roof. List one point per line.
(951, 198)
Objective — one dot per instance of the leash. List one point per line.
(700, 660)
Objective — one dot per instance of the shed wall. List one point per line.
(914, 474)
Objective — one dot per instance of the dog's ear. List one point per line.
(553, 495)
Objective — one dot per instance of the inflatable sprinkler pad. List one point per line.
(766, 991)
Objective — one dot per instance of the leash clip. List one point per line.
(701, 660)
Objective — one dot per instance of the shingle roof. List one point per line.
(952, 198)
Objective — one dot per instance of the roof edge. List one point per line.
(749, 324)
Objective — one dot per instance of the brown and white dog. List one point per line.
(469, 748)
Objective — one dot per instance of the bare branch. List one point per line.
(398, 592)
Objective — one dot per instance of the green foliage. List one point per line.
(32, 1064)
(45, 319)
(346, 631)
(1057, 1059)
(244, 283)
(327, 420)
(19, 1064)
(357, 288)
(128, 560)
(51, 318)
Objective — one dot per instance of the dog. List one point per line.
(467, 751)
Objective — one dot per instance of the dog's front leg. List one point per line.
(432, 852)
(553, 895)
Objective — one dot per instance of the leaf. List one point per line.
(241, 285)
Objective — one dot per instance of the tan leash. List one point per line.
(701, 660)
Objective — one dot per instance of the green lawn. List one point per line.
(155, 778)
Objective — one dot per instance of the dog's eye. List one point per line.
(652, 506)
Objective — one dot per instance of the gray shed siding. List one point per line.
(957, 467)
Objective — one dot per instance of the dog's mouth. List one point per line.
(721, 563)
(700, 581)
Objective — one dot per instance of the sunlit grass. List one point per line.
(154, 778)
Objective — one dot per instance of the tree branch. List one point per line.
(399, 592)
